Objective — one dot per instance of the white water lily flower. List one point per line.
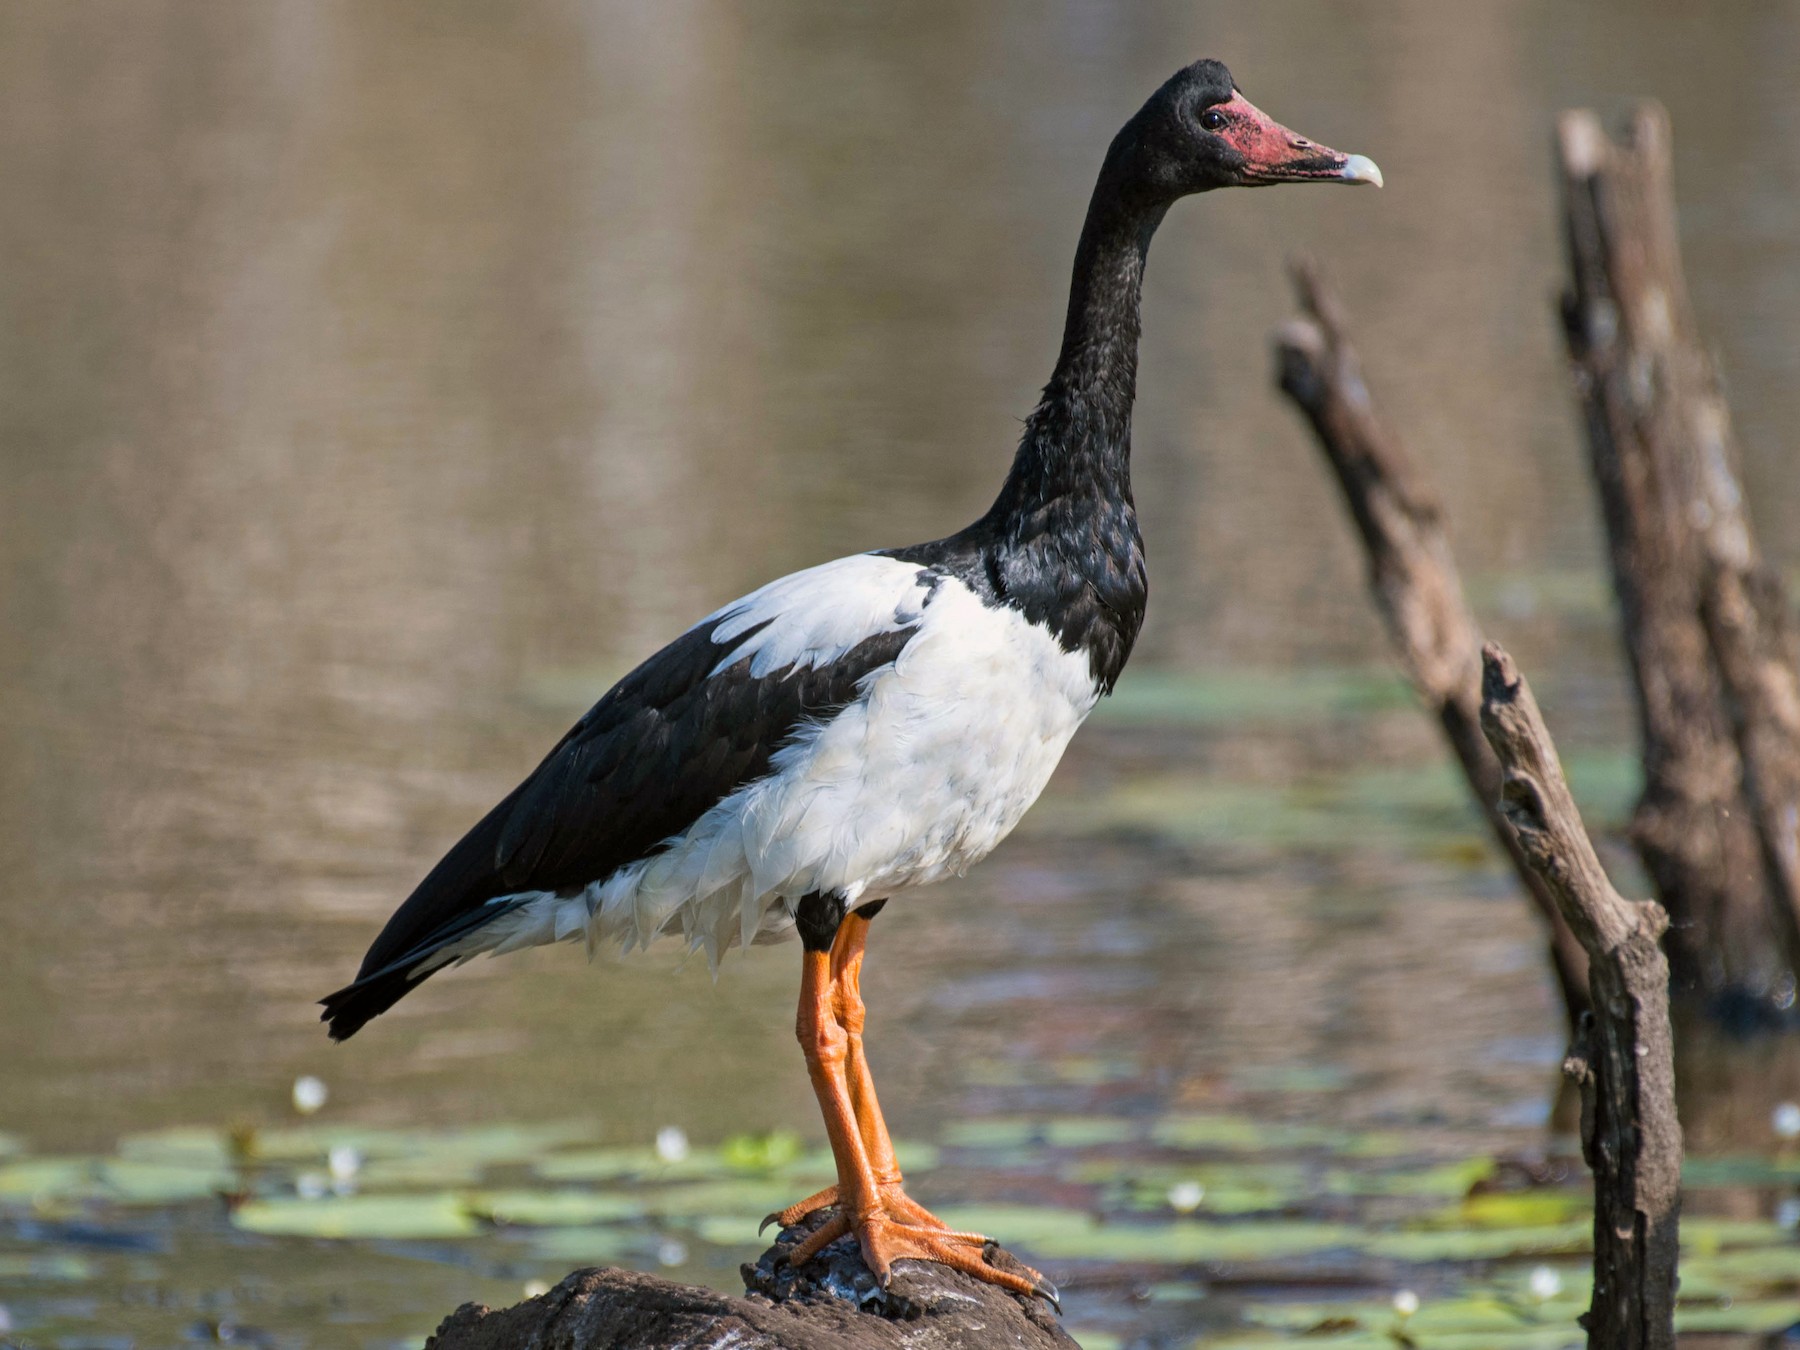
(671, 1143)
(309, 1094)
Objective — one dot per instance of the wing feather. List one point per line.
(695, 722)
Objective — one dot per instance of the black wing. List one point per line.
(662, 747)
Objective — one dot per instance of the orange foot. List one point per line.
(886, 1239)
(894, 1202)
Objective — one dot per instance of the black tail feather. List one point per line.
(373, 992)
(354, 1004)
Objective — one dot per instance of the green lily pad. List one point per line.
(1225, 1188)
(729, 1232)
(761, 1152)
(1747, 1317)
(182, 1146)
(1735, 1273)
(1450, 1179)
(1515, 1209)
(1701, 1173)
(60, 1267)
(589, 1246)
(598, 1164)
(553, 1209)
(131, 1182)
(1074, 1235)
(479, 1147)
(1239, 1134)
(358, 1216)
(1706, 1236)
(38, 1180)
(752, 1199)
(1483, 1244)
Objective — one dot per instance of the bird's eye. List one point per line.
(1213, 120)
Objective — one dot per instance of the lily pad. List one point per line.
(1239, 1134)
(38, 1180)
(590, 1245)
(1216, 1188)
(185, 1146)
(358, 1216)
(1482, 1244)
(1704, 1236)
(128, 1181)
(729, 1232)
(598, 1164)
(1742, 1170)
(1747, 1316)
(61, 1267)
(1074, 1235)
(761, 1152)
(1732, 1274)
(1439, 1180)
(1515, 1209)
(553, 1209)
(749, 1198)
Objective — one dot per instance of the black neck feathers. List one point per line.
(1061, 542)
(1077, 441)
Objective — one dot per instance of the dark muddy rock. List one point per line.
(832, 1303)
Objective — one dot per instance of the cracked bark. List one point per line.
(1663, 457)
(1623, 1056)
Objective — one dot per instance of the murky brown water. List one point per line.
(375, 381)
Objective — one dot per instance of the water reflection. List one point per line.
(375, 378)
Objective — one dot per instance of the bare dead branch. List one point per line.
(1623, 1056)
(1663, 457)
(1412, 572)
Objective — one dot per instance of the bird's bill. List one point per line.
(1273, 154)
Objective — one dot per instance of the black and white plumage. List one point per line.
(880, 722)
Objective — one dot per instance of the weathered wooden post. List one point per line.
(1623, 1058)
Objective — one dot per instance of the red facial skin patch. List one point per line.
(1270, 150)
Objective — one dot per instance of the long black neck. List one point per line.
(1060, 544)
(1077, 441)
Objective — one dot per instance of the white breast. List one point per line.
(918, 779)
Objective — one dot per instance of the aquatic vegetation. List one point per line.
(1195, 1196)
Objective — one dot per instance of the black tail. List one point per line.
(450, 903)
(373, 992)
(348, 1008)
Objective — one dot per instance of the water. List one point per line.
(377, 382)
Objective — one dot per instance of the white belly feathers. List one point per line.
(920, 777)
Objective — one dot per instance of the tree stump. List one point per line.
(1664, 460)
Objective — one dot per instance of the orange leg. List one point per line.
(869, 1200)
(849, 1010)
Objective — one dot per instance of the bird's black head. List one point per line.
(1198, 132)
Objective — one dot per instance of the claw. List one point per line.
(1048, 1292)
(762, 1227)
(822, 1237)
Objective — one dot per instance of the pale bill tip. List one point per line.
(1361, 169)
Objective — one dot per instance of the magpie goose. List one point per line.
(867, 726)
